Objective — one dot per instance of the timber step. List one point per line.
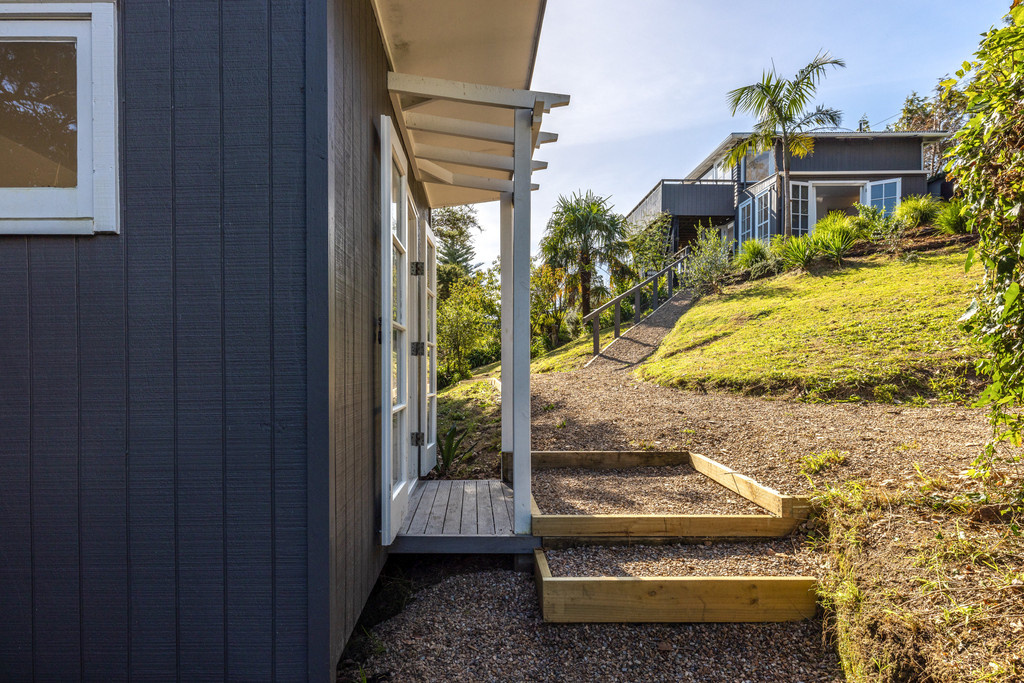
(672, 599)
(617, 588)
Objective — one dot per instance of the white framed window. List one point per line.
(762, 215)
(799, 202)
(58, 118)
(745, 222)
(757, 167)
(885, 194)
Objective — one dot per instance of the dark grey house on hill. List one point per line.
(745, 201)
(217, 303)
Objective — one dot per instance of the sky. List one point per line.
(648, 80)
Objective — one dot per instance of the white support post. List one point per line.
(521, 322)
(507, 389)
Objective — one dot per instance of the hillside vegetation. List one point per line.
(878, 328)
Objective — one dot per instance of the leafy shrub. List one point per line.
(917, 210)
(771, 265)
(869, 222)
(798, 252)
(952, 219)
(835, 243)
(709, 262)
(751, 253)
(449, 449)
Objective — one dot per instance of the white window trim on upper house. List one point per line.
(94, 204)
(745, 221)
(763, 210)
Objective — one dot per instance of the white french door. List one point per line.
(397, 375)
(428, 415)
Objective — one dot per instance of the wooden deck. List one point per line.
(472, 516)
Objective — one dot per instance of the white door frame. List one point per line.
(396, 487)
(428, 362)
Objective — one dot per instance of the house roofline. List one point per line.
(735, 138)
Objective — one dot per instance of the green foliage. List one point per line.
(987, 162)
(938, 112)
(551, 301)
(466, 321)
(649, 248)
(582, 234)
(751, 253)
(833, 220)
(835, 243)
(870, 221)
(917, 210)
(781, 107)
(449, 449)
(709, 262)
(798, 252)
(772, 265)
(837, 335)
(952, 219)
(814, 463)
(453, 226)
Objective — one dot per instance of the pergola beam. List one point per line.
(473, 93)
(472, 130)
(463, 157)
(443, 176)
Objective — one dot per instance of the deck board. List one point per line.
(472, 516)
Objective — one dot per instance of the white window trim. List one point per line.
(94, 205)
(765, 199)
(866, 199)
(795, 184)
(744, 216)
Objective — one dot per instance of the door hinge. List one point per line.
(417, 268)
(418, 349)
(418, 439)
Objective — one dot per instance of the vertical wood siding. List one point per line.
(878, 154)
(153, 384)
(359, 68)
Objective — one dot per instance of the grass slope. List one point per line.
(877, 328)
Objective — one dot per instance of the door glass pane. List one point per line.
(431, 311)
(397, 367)
(397, 295)
(38, 114)
(431, 423)
(431, 267)
(430, 367)
(397, 446)
(396, 200)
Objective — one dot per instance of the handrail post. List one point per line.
(636, 306)
(654, 296)
(668, 280)
(597, 334)
(618, 316)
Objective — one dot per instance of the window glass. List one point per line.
(745, 222)
(38, 114)
(761, 216)
(885, 196)
(397, 447)
(396, 198)
(799, 206)
(758, 166)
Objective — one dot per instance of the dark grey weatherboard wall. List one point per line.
(359, 71)
(153, 384)
(851, 155)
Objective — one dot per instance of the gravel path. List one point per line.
(594, 409)
(640, 341)
(487, 627)
(777, 557)
(674, 490)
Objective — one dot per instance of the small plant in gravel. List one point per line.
(816, 463)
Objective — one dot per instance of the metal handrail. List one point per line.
(595, 315)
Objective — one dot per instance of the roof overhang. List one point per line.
(734, 138)
(459, 71)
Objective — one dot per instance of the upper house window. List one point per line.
(58, 118)
(757, 167)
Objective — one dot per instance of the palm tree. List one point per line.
(583, 233)
(780, 104)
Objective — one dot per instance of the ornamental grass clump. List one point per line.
(751, 253)
(836, 243)
(917, 210)
(952, 219)
(798, 252)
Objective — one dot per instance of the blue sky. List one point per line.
(648, 79)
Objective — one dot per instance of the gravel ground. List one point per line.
(487, 627)
(781, 557)
(675, 490)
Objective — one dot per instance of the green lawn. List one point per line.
(876, 328)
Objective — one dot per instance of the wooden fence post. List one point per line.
(618, 317)
(636, 306)
(597, 334)
(654, 296)
(669, 276)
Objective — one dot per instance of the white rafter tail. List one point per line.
(545, 137)
(473, 93)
